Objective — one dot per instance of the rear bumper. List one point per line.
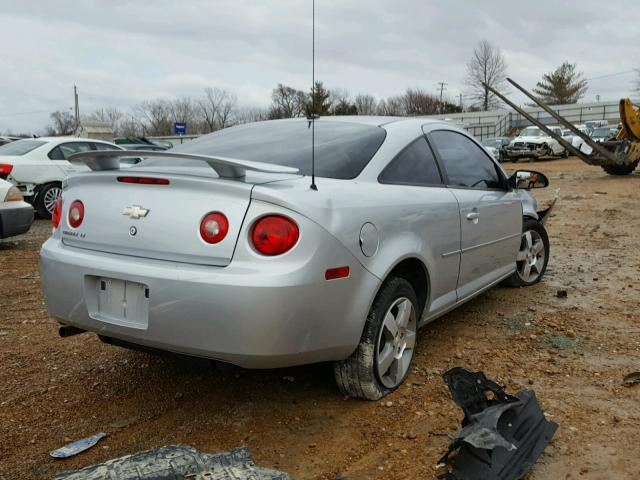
(15, 218)
(252, 314)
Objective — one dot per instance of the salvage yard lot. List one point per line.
(572, 351)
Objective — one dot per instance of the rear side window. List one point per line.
(466, 164)
(103, 146)
(342, 149)
(65, 150)
(20, 147)
(415, 165)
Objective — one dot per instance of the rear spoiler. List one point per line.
(224, 167)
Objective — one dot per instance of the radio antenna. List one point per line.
(313, 96)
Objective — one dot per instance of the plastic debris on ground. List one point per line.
(502, 435)
(78, 446)
(177, 461)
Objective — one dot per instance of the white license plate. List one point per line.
(123, 301)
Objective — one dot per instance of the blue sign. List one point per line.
(180, 128)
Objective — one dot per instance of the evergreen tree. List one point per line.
(564, 85)
(319, 103)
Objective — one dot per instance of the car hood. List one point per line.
(530, 139)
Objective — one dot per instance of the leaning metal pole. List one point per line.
(562, 141)
(596, 147)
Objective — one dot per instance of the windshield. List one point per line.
(602, 132)
(532, 132)
(342, 149)
(20, 147)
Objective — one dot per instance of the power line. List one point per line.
(613, 75)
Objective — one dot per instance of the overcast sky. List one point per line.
(120, 52)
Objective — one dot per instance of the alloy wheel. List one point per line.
(396, 342)
(50, 196)
(531, 257)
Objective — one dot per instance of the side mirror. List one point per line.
(528, 179)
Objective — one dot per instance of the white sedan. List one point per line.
(16, 216)
(37, 166)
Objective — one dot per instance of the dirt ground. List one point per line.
(572, 351)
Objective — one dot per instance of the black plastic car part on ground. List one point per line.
(502, 435)
(177, 462)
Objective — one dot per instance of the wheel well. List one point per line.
(414, 272)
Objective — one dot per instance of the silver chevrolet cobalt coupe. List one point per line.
(221, 249)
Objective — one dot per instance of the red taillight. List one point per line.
(56, 215)
(335, 273)
(144, 180)
(274, 235)
(214, 227)
(5, 170)
(76, 214)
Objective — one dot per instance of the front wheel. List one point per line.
(46, 199)
(625, 169)
(533, 256)
(383, 357)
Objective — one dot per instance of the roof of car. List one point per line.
(374, 120)
(66, 139)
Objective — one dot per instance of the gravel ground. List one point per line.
(572, 351)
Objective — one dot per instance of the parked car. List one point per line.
(600, 134)
(37, 166)
(575, 140)
(498, 144)
(534, 143)
(16, 216)
(225, 248)
(593, 124)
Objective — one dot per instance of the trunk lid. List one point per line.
(114, 219)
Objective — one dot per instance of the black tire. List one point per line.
(42, 203)
(514, 159)
(546, 151)
(620, 169)
(518, 279)
(357, 376)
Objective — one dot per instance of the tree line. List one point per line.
(218, 108)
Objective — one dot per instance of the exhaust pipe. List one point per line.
(67, 331)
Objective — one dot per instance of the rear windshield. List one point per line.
(342, 149)
(20, 147)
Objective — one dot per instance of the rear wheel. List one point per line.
(46, 199)
(383, 358)
(625, 169)
(533, 256)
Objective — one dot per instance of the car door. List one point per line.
(418, 203)
(60, 154)
(490, 213)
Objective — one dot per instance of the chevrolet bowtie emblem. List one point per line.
(135, 212)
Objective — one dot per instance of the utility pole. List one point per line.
(77, 107)
(460, 102)
(442, 85)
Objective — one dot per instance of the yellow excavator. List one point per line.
(616, 156)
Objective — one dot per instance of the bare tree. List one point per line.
(418, 102)
(487, 66)
(250, 114)
(156, 116)
(109, 115)
(62, 123)
(392, 106)
(217, 107)
(637, 89)
(184, 110)
(365, 104)
(563, 86)
(287, 102)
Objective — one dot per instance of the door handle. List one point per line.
(473, 216)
